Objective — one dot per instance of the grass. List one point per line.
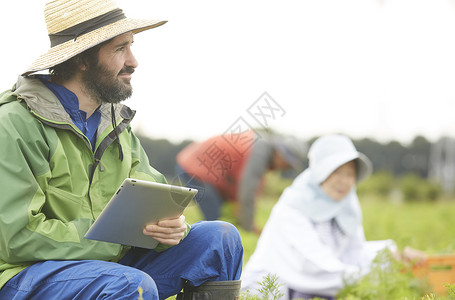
(423, 225)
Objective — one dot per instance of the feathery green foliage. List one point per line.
(270, 289)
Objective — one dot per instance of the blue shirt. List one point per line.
(71, 104)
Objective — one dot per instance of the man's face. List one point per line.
(109, 80)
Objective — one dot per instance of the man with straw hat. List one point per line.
(66, 145)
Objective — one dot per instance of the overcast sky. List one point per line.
(367, 68)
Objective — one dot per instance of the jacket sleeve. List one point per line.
(253, 172)
(141, 169)
(28, 233)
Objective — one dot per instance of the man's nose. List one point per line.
(131, 60)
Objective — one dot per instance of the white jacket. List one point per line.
(310, 241)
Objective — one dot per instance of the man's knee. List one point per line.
(219, 236)
(229, 233)
(220, 249)
(218, 230)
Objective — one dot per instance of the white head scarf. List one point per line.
(326, 154)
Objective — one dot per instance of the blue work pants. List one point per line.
(212, 251)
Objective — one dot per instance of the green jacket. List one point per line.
(53, 186)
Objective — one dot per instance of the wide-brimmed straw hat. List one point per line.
(77, 25)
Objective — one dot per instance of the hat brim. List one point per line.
(330, 164)
(61, 53)
(364, 167)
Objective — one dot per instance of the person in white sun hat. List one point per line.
(314, 237)
(66, 145)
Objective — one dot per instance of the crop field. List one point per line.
(425, 225)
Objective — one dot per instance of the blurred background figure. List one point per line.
(231, 167)
(314, 236)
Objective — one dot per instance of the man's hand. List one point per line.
(167, 231)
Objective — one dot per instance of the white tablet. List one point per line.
(135, 204)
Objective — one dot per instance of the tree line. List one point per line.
(393, 157)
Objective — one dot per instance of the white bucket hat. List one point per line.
(77, 25)
(329, 152)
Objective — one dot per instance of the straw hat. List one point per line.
(77, 25)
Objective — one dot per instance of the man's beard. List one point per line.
(104, 86)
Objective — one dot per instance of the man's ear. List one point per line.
(81, 63)
(83, 66)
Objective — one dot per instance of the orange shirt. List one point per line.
(219, 161)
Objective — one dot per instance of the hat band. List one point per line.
(85, 27)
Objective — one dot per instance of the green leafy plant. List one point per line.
(450, 291)
(387, 279)
(270, 289)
